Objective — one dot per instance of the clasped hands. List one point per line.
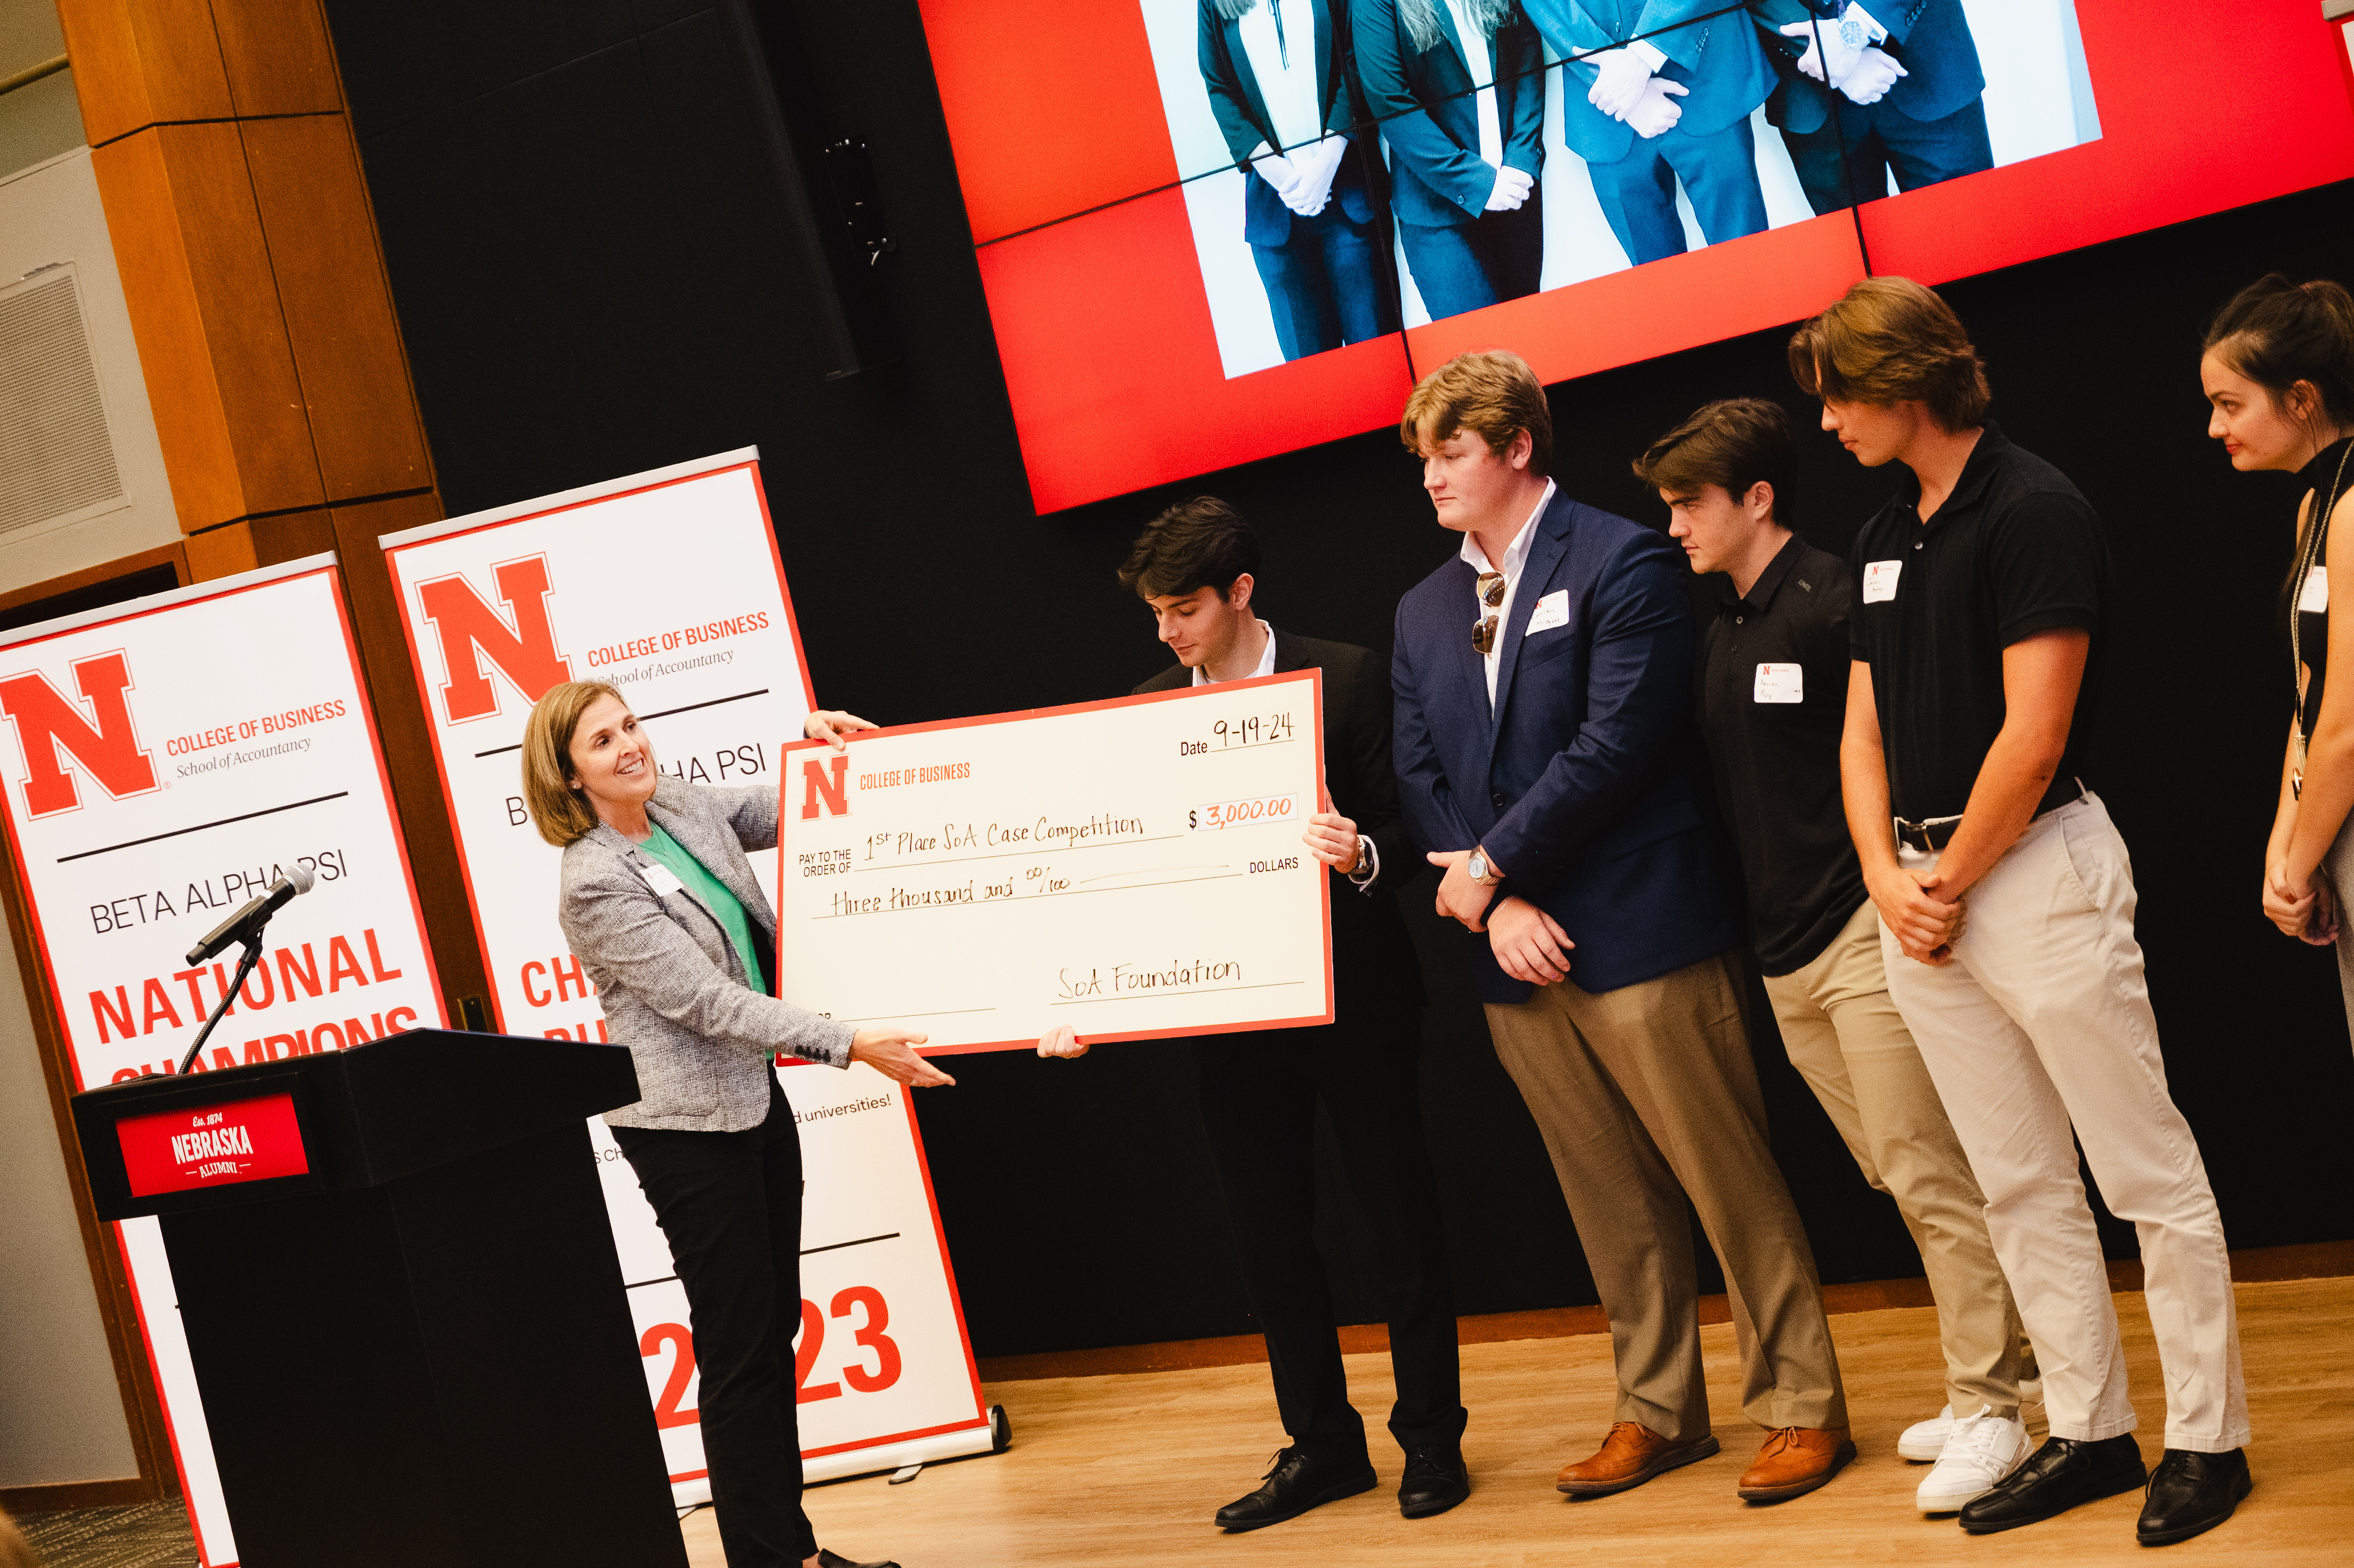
(1529, 943)
(1864, 74)
(2306, 910)
(1625, 87)
(1303, 177)
(1921, 912)
(1331, 837)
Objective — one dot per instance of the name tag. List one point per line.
(2316, 597)
(1880, 580)
(658, 877)
(1781, 684)
(1551, 611)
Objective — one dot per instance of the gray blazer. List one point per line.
(672, 988)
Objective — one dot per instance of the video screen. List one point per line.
(1212, 230)
(1350, 169)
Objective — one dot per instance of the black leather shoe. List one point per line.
(1298, 1483)
(2055, 1479)
(836, 1559)
(2191, 1493)
(1436, 1480)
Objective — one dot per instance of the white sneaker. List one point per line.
(1983, 1450)
(1925, 1440)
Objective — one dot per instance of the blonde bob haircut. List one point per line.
(1890, 341)
(1495, 396)
(558, 810)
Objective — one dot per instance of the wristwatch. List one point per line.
(1477, 869)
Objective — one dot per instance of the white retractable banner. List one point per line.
(668, 584)
(163, 760)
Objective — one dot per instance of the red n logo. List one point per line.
(833, 791)
(523, 648)
(49, 725)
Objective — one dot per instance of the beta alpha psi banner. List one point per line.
(163, 761)
(668, 584)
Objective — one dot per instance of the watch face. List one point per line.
(1475, 868)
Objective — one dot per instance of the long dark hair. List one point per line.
(2278, 333)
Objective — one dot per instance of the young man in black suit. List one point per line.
(1194, 565)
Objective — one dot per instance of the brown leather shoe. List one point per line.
(1630, 1456)
(1796, 1461)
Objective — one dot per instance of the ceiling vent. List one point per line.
(56, 456)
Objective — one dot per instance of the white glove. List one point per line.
(1873, 75)
(1275, 170)
(1655, 112)
(1619, 87)
(1315, 163)
(1823, 39)
(1512, 188)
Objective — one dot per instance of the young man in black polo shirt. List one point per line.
(2007, 903)
(1772, 695)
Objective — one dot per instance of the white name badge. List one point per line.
(660, 880)
(1552, 610)
(1781, 684)
(1880, 580)
(2316, 597)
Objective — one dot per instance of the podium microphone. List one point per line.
(248, 922)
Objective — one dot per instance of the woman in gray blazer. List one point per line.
(660, 906)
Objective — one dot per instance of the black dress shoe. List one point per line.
(2055, 1479)
(1299, 1482)
(836, 1559)
(2191, 1493)
(1436, 1480)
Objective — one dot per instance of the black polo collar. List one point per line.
(1976, 470)
(1760, 597)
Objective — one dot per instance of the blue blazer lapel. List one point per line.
(1469, 668)
(1327, 81)
(1545, 551)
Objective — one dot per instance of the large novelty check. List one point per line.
(1131, 868)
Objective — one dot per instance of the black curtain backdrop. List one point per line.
(595, 274)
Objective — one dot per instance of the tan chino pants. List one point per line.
(1646, 1095)
(1848, 1041)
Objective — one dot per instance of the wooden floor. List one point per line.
(1128, 1469)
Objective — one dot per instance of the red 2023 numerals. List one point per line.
(868, 1335)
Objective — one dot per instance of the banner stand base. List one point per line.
(993, 1435)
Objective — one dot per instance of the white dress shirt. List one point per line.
(1516, 556)
(1481, 58)
(1286, 68)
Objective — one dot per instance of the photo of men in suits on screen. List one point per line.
(1354, 167)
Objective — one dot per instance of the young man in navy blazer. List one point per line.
(1280, 84)
(1458, 88)
(1654, 90)
(1546, 756)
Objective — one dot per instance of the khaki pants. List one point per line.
(2039, 1029)
(1849, 1041)
(1646, 1095)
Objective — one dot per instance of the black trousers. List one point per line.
(1259, 1094)
(730, 1205)
(1881, 141)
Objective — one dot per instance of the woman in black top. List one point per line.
(2279, 374)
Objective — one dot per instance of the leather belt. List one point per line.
(1934, 833)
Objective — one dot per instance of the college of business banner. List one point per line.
(162, 761)
(668, 584)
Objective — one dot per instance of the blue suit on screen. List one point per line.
(1588, 785)
(1418, 85)
(1328, 277)
(1714, 55)
(1930, 127)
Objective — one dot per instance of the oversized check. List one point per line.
(1132, 868)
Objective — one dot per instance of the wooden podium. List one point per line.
(401, 1298)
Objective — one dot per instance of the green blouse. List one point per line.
(714, 896)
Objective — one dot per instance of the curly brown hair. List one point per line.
(1890, 341)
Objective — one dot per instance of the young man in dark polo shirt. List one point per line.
(1772, 697)
(2007, 903)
